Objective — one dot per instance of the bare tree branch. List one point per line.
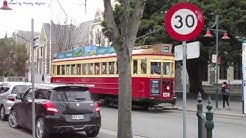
(65, 36)
(112, 31)
(136, 18)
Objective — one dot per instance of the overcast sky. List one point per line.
(23, 10)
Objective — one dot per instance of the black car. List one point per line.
(58, 109)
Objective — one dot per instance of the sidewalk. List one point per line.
(191, 105)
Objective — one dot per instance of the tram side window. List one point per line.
(143, 66)
(111, 67)
(78, 69)
(63, 70)
(67, 69)
(73, 69)
(155, 68)
(53, 69)
(135, 66)
(97, 68)
(90, 69)
(116, 67)
(104, 68)
(58, 70)
(84, 69)
(166, 68)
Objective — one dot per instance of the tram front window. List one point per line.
(155, 67)
(166, 68)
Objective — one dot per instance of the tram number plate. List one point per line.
(75, 117)
(165, 94)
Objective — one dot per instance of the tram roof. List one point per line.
(157, 49)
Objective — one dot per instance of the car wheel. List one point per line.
(3, 116)
(13, 119)
(40, 129)
(92, 132)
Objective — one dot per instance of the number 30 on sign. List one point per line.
(184, 21)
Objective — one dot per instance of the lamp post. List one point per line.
(32, 41)
(5, 6)
(243, 41)
(225, 36)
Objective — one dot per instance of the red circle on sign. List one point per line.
(177, 35)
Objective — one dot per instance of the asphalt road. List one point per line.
(150, 124)
(169, 124)
(8, 132)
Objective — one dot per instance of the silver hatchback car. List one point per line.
(8, 93)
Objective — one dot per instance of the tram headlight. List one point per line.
(168, 88)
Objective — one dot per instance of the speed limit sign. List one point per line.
(184, 21)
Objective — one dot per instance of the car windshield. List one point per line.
(19, 89)
(71, 96)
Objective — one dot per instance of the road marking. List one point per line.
(114, 133)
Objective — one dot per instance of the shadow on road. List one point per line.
(159, 109)
(63, 135)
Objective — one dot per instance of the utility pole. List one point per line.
(32, 79)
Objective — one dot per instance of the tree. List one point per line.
(229, 21)
(13, 58)
(233, 22)
(123, 37)
(65, 37)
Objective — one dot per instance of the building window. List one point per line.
(98, 37)
(223, 72)
(91, 38)
(237, 70)
(204, 72)
(41, 52)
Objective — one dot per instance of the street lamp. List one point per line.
(32, 41)
(5, 6)
(225, 37)
(243, 42)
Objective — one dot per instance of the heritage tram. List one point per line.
(152, 66)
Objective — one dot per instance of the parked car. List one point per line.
(58, 109)
(8, 92)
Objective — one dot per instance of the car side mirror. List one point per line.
(19, 96)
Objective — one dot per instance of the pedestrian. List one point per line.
(225, 94)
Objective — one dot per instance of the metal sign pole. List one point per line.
(184, 88)
(243, 77)
(184, 26)
(32, 79)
